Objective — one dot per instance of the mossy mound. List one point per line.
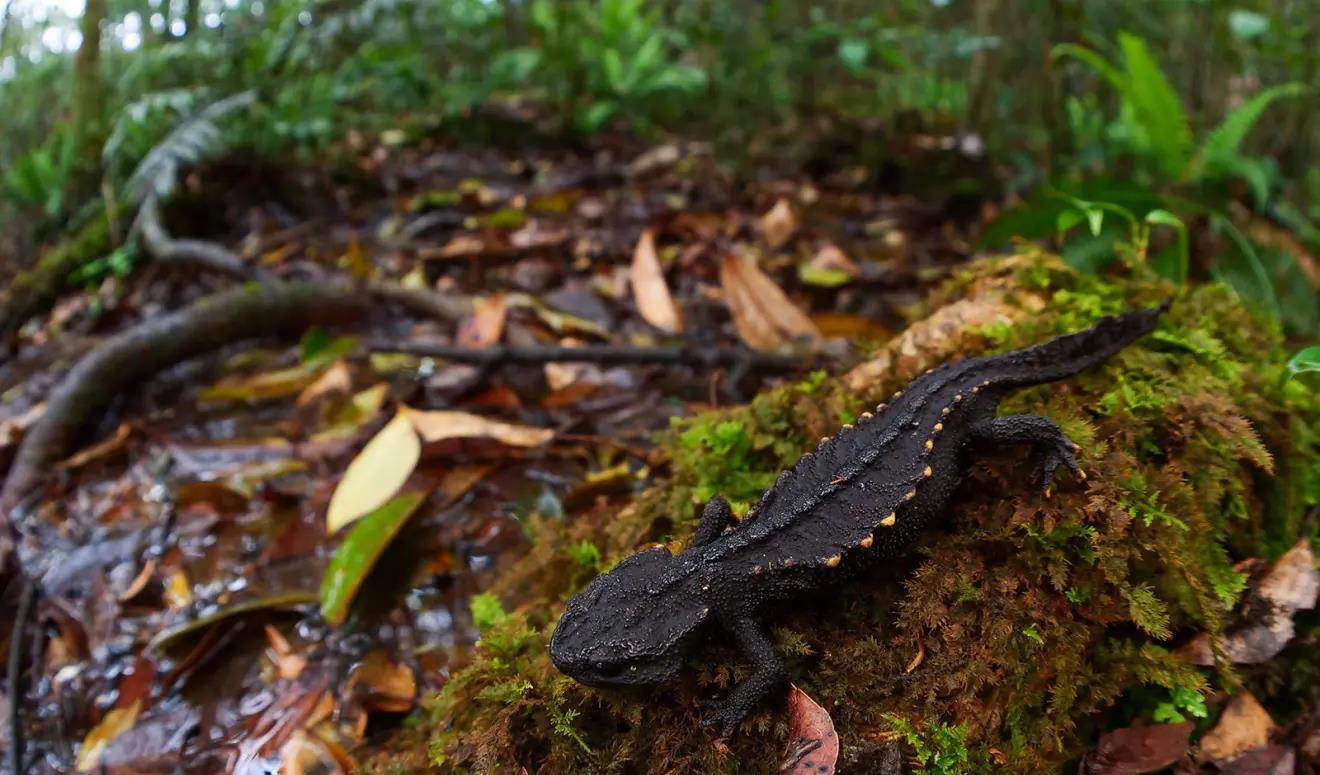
(1014, 631)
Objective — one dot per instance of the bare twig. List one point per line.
(14, 673)
(604, 354)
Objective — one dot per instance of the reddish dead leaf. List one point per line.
(813, 746)
(104, 448)
(1243, 726)
(917, 659)
(140, 581)
(778, 224)
(763, 315)
(484, 327)
(1291, 585)
(1136, 750)
(1270, 760)
(649, 289)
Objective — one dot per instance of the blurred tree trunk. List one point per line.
(5, 26)
(192, 16)
(89, 100)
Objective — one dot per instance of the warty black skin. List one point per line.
(864, 493)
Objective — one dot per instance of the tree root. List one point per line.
(281, 308)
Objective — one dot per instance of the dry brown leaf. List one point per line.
(335, 380)
(463, 246)
(178, 591)
(441, 425)
(381, 684)
(1136, 750)
(114, 724)
(650, 292)
(813, 745)
(377, 472)
(1243, 726)
(288, 664)
(778, 224)
(484, 326)
(1292, 584)
(762, 314)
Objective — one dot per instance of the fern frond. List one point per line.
(189, 142)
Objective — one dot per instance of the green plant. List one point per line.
(1182, 700)
(39, 177)
(939, 748)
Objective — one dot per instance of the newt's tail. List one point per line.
(1072, 353)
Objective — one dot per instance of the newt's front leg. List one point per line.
(767, 674)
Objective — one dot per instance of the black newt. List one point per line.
(866, 492)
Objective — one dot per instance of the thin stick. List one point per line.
(604, 354)
(14, 674)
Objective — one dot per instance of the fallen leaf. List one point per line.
(355, 260)
(288, 664)
(649, 289)
(1243, 726)
(335, 380)
(178, 592)
(345, 419)
(283, 601)
(457, 481)
(1292, 584)
(1270, 760)
(484, 326)
(114, 724)
(441, 425)
(377, 472)
(762, 314)
(778, 224)
(828, 268)
(381, 684)
(462, 246)
(357, 555)
(1136, 750)
(813, 746)
(653, 160)
(139, 581)
(273, 384)
(104, 448)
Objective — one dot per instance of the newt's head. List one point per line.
(627, 628)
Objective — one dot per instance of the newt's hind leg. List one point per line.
(1052, 446)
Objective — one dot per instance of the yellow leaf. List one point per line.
(763, 315)
(377, 472)
(440, 425)
(115, 723)
(649, 288)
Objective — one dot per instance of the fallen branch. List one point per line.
(604, 354)
(279, 308)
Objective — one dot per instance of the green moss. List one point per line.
(1014, 631)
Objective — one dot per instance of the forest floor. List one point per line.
(182, 541)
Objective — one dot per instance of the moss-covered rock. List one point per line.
(1016, 629)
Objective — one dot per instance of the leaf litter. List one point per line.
(215, 563)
